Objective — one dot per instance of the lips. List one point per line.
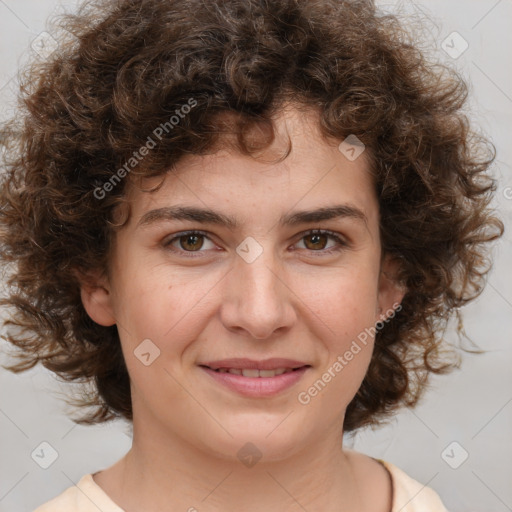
(250, 366)
(250, 372)
(256, 387)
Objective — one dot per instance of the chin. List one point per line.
(261, 443)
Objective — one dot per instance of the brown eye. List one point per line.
(191, 242)
(188, 242)
(318, 240)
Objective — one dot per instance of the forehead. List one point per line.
(231, 188)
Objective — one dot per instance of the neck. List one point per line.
(175, 475)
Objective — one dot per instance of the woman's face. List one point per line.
(258, 289)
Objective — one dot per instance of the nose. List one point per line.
(258, 300)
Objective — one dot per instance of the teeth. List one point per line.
(271, 373)
(254, 372)
(250, 373)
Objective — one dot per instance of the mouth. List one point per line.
(256, 382)
(256, 373)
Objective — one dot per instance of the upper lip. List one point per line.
(243, 363)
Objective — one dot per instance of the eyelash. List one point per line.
(341, 243)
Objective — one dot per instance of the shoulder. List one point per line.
(85, 496)
(410, 495)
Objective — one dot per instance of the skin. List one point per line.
(293, 301)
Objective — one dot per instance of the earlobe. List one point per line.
(97, 300)
(390, 292)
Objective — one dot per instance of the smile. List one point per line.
(256, 383)
(250, 372)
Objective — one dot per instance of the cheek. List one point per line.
(156, 323)
(162, 304)
(344, 307)
(167, 307)
(344, 301)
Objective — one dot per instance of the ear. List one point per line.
(390, 293)
(96, 297)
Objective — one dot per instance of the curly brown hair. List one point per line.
(124, 67)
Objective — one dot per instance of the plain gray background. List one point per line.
(466, 414)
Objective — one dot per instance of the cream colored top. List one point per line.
(87, 496)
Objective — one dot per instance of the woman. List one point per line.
(309, 155)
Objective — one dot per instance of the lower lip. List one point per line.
(257, 386)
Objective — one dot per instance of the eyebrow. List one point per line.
(206, 216)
